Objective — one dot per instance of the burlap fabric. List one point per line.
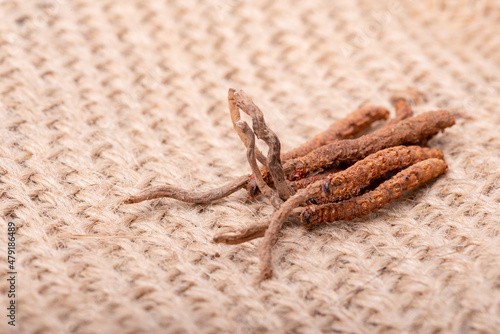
(102, 98)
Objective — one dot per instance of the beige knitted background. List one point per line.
(99, 99)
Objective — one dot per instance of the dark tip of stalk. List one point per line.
(254, 189)
(307, 215)
(326, 187)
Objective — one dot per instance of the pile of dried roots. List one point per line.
(312, 183)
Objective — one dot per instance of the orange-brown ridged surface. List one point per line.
(387, 192)
(349, 183)
(361, 173)
(346, 128)
(342, 185)
(403, 111)
(305, 182)
(408, 131)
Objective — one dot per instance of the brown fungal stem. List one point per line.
(263, 132)
(271, 233)
(408, 131)
(387, 192)
(348, 127)
(336, 194)
(354, 123)
(189, 196)
(350, 182)
(403, 111)
(234, 111)
(271, 194)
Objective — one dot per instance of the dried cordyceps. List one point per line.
(337, 194)
(189, 196)
(387, 192)
(234, 111)
(403, 111)
(350, 182)
(263, 132)
(250, 143)
(346, 128)
(409, 131)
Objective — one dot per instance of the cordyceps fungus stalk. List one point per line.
(262, 131)
(360, 206)
(354, 123)
(189, 196)
(409, 131)
(318, 169)
(351, 125)
(234, 111)
(403, 111)
(387, 192)
(270, 193)
(344, 184)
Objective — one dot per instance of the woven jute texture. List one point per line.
(99, 99)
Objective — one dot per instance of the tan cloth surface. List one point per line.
(102, 98)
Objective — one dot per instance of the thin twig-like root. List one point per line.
(251, 232)
(403, 110)
(387, 192)
(271, 194)
(244, 234)
(409, 131)
(272, 231)
(262, 131)
(234, 111)
(189, 196)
